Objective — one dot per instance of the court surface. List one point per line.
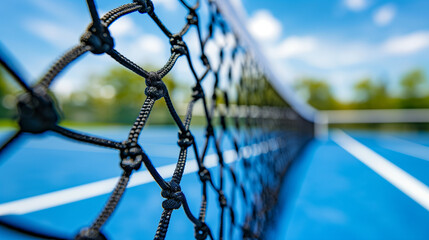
(353, 185)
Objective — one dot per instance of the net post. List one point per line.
(321, 126)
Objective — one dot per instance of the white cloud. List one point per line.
(151, 44)
(320, 53)
(295, 46)
(170, 5)
(57, 9)
(384, 15)
(52, 32)
(122, 27)
(332, 55)
(144, 49)
(339, 61)
(263, 26)
(356, 5)
(407, 44)
(324, 54)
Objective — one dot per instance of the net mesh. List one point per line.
(265, 132)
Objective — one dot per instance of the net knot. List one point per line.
(209, 131)
(248, 233)
(192, 18)
(173, 196)
(201, 231)
(185, 139)
(155, 86)
(222, 199)
(204, 174)
(178, 45)
(100, 40)
(36, 112)
(131, 157)
(223, 122)
(205, 60)
(90, 234)
(147, 6)
(246, 163)
(237, 122)
(197, 92)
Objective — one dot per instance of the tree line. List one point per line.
(369, 93)
(117, 95)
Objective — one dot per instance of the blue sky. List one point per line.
(341, 41)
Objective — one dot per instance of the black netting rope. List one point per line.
(266, 135)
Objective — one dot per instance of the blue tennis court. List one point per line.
(214, 120)
(353, 185)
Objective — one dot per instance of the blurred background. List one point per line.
(343, 54)
(335, 55)
(348, 54)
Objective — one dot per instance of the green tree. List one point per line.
(372, 95)
(412, 85)
(318, 93)
(412, 82)
(119, 95)
(116, 97)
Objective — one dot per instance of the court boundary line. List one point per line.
(98, 188)
(404, 151)
(399, 178)
(94, 189)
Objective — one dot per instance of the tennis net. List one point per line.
(244, 105)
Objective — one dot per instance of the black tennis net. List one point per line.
(265, 130)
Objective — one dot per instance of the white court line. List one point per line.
(409, 185)
(408, 148)
(98, 188)
(73, 194)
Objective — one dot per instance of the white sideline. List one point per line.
(408, 148)
(98, 188)
(406, 183)
(85, 191)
